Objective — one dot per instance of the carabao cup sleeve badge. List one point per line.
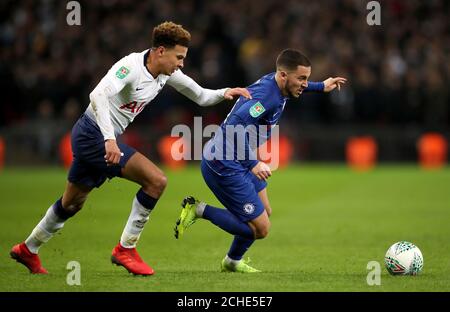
(122, 72)
(257, 109)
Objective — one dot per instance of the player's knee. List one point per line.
(156, 186)
(160, 183)
(262, 231)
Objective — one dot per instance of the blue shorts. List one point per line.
(238, 193)
(88, 147)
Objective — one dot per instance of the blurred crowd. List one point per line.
(398, 72)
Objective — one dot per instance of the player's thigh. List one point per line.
(261, 188)
(75, 195)
(265, 200)
(143, 171)
(236, 193)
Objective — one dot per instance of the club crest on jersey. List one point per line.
(122, 72)
(249, 208)
(256, 110)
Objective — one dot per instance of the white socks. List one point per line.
(45, 229)
(200, 209)
(231, 262)
(138, 217)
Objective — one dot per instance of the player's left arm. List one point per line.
(202, 96)
(327, 85)
(332, 83)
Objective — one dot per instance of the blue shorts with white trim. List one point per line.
(238, 193)
(88, 147)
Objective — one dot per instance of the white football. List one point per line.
(403, 258)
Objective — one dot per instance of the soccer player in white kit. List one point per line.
(131, 84)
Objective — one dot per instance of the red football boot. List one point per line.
(130, 260)
(22, 254)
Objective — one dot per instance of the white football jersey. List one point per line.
(129, 87)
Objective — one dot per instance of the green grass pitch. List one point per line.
(328, 222)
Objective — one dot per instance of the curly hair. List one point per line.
(169, 34)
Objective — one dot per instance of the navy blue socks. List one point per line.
(228, 222)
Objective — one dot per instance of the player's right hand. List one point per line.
(230, 94)
(262, 171)
(113, 153)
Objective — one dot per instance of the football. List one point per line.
(403, 258)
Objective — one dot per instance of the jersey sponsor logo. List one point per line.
(249, 208)
(122, 72)
(139, 88)
(133, 107)
(257, 109)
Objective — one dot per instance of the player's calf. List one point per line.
(73, 200)
(70, 209)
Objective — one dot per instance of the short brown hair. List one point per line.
(169, 34)
(289, 59)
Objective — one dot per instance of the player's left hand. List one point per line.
(333, 83)
(235, 92)
(262, 171)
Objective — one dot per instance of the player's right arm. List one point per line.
(114, 81)
(202, 96)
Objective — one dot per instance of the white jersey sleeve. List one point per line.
(189, 88)
(121, 74)
(100, 106)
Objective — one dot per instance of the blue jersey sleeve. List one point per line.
(251, 111)
(315, 87)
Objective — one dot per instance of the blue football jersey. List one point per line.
(247, 126)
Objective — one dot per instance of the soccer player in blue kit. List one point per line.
(239, 183)
(130, 85)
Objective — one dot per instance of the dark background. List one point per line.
(398, 72)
